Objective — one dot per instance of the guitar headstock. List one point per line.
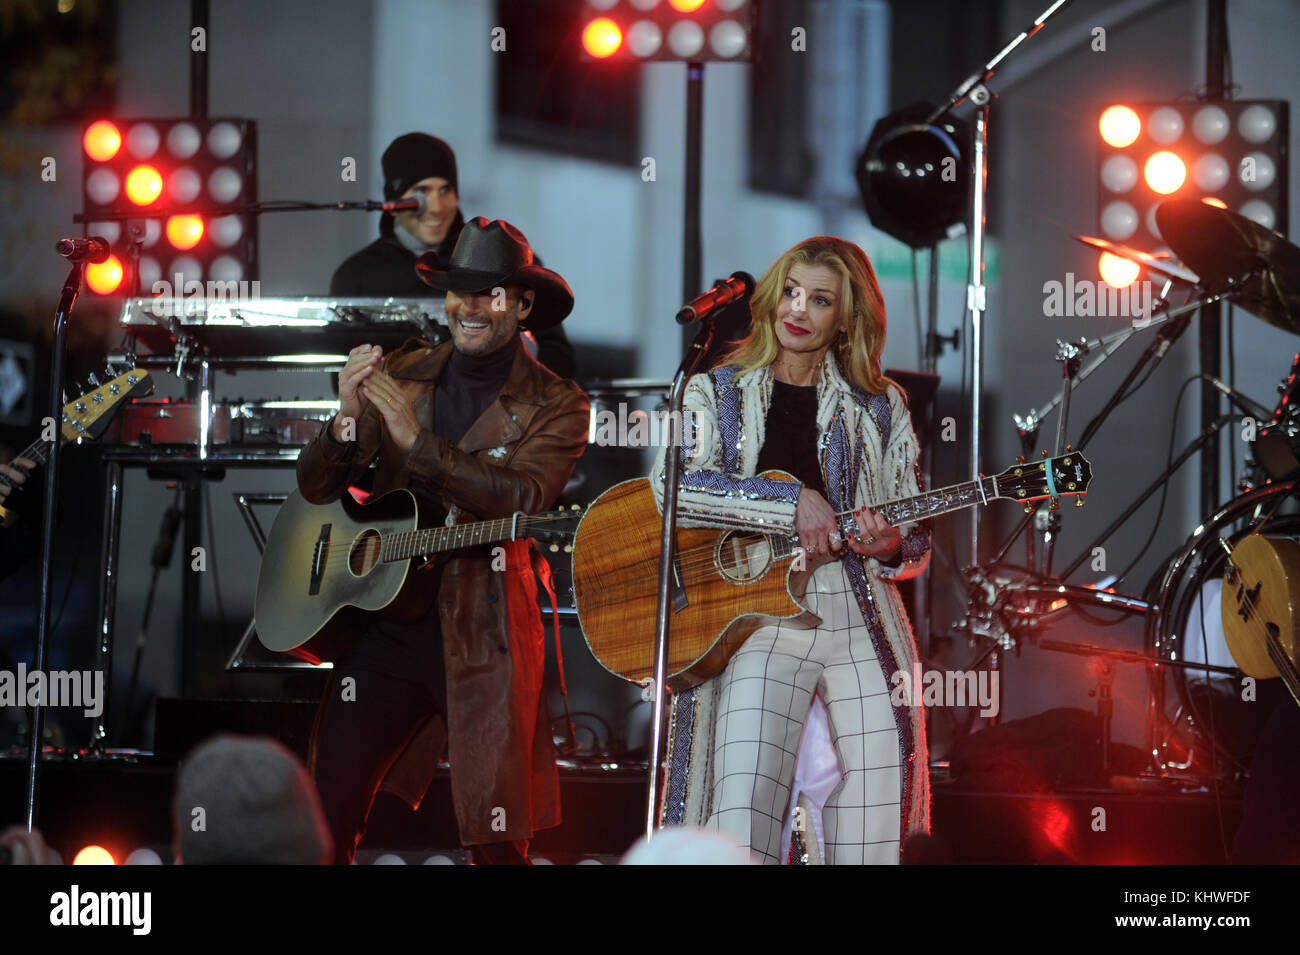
(557, 528)
(1066, 475)
(89, 415)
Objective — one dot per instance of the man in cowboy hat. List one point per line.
(478, 425)
(418, 164)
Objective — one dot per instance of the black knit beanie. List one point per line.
(413, 157)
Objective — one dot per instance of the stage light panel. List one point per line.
(1234, 153)
(177, 179)
(680, 30)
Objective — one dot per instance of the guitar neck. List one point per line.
(35, 452)
(932, 503)
(436, 540)
(927, 504)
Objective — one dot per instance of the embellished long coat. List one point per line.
(868, 454)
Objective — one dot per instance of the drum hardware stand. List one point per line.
(1173, 323)
(1108, 656)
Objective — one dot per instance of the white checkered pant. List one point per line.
(764, 697)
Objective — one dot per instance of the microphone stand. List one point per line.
(35, 739)
(668, 558)
(975, 88)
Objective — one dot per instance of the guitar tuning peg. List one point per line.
(1044, 452)
(568, 548)
(1029, 507)
(1055, 505)
(1069, 447)
(94, 382)
(1078, 501)
(555, 548)
(1020, 459)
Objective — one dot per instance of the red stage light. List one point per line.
(101, 140)
(686, 6)
(601, 37)
(1218, 203)
(1120, 126)
(1165, 172)
(184, 232)
(1117, 272)
(94, 855)
(104, 277)
(143, 185)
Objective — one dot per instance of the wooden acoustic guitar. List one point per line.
(1261, 594)
(85, 417)
(728, 583)
(324, 559)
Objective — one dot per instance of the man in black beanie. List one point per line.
(420, 164)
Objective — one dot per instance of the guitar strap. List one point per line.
(543, 571)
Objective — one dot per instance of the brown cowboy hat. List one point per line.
(493, 254)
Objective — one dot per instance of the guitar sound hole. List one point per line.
(365, 553)
(743, 557)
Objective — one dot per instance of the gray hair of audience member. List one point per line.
(247, 800)
(687, 845)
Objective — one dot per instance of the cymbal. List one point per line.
(1229, 251)
(1163, 266)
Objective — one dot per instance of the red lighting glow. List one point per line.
(686, 6)
(104, 277)
(143, 185)
(601, 37)
(184, 232)
(1120, 126)
(94, 855)
(101, 140)
(1217, 203)
(1165, 172)
(1117, 272)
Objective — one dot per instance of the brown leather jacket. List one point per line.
(516, 457)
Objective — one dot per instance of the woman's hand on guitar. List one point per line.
(814, 522)
(875, 537)
(362, 362)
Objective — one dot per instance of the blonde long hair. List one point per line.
(861, 340)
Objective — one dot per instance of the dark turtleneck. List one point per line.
(468, 385)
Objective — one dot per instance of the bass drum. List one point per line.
(1199, 722)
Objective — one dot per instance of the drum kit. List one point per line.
(1203, 714)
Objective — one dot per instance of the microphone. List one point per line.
(417, 204)
(1241, 401)
(738, 286)
(92, 249)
